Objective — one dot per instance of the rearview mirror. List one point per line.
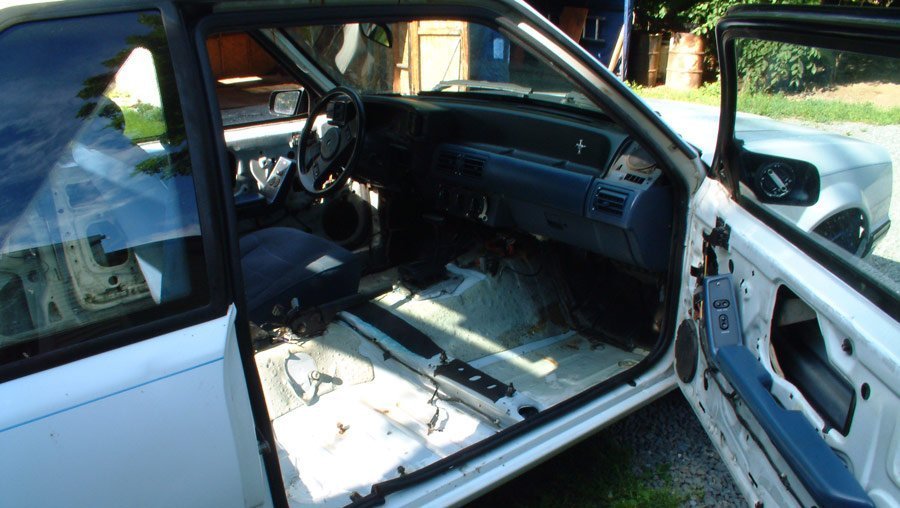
(287, 103)
(377, 33)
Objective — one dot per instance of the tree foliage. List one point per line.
(775, 67)
(772, 67)
(94, 88)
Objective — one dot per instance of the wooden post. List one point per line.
(401, 59)
(415, 73)
(617, 50)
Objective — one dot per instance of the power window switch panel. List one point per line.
(721, 320)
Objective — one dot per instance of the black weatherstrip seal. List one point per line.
(220, 194)
(398, 329)
(414, 340)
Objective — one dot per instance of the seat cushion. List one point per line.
(280, 264)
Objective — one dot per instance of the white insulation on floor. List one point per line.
(352, 409)
(362, 434)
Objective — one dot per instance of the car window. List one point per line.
(99, 226)
(246, 75)
(432, 56)
(819, 131)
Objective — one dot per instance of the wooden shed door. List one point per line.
(438, 51)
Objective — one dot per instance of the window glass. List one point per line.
(820, 132)
(98, 216)
(432, 56)
(246, 75)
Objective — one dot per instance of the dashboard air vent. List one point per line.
(611, 201)
(472, 166)
(634, 178)
(457, 164)
(446, 162)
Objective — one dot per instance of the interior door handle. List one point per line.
(821, 472)
(825, 477)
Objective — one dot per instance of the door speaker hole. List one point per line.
(346, 221)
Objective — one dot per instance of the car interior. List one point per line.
(428, 263)
(447, 241)
(451, 243)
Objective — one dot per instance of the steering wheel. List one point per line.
(330, 141)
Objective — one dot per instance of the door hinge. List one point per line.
(720, 235)
(721, 173)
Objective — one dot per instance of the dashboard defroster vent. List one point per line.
(609, 200)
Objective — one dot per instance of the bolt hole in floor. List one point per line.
(418, 374)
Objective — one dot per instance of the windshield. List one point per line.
(434, 56)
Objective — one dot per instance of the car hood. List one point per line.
(830, 153)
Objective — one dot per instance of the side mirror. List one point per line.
(377, 33)
(288, 102)
(780, 180)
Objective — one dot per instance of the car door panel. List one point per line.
(262, 164)
(804, 408)
(155, 423)
(774, 439)
(121, 382)
(796, 440)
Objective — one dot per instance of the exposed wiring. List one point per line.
(508, 268)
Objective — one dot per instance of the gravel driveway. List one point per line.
(667, 436)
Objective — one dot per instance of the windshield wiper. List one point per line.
(471, 84)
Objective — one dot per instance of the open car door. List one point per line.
(121, 376)
(789, 350)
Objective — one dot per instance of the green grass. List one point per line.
(781, 106)
(597, 472)
(143, 122)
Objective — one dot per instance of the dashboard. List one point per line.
(566, 176)
(577, 180)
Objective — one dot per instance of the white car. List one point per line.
(855, 176)
(362, 252)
